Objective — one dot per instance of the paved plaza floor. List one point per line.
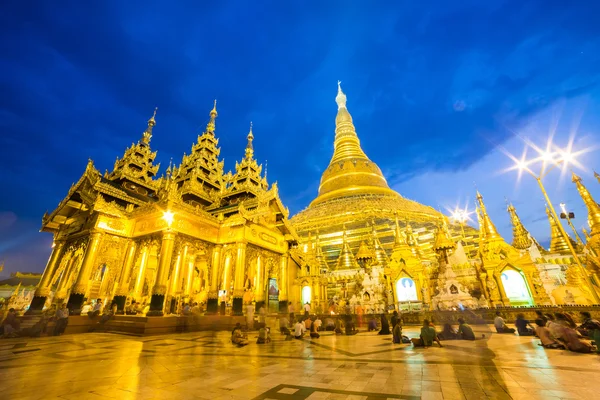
(205, 365)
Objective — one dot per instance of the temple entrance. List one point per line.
(516, 288)
(406, 290)
(273, 296)
(306, 295)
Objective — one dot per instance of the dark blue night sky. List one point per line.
(434, 89)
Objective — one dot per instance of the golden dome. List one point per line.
(354, 192)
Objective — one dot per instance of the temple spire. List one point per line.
(210, 127)
(558, 243)
(381, 257)
(521, 238)
(346, 259)
(597, 176)
(249, 147)
(147, 135)
(487, 226)
(591, 205)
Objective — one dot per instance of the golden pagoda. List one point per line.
(521, 238)
(195, 234)
(558, 243)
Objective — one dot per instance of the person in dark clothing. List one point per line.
(540, 315)
(590, 328)
(448, 333)
(394, 319)
(385, 326)
(524, 327)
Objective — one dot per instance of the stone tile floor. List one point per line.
(205, 365)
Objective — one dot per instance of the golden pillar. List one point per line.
(123, 283)
(80, 287)
(212, 303)
(238, 283)
(283, 284)
(259, 287)
(126, 271)
(160, 287)
(43, 289)
(139, 282)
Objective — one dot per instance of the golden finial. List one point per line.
(591, 205)
(489, 229)
(340, 99)
(249, 148)
(558, 243)
(210, 127)
(586, 233)
(147, 135)
(597, 176)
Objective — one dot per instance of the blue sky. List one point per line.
(434, 89)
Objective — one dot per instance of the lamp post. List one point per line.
(549, 157)
(569, 216)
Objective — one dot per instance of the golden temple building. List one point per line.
(198, 234)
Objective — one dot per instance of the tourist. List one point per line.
(397, 332)
(87, 307)
(62, 319)
(448, 332)
(96, 310)
(283, 325)
(299, 330)
(545, 336)
(501, 325)
(306, 309)
(237, 336)
(590, 328)
(385, 326)
(11, 324)
(313, 331)
(317, 322)
(465, 332)
(427, 337)
(524, 327)
(264, 335)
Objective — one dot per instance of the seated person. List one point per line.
(87, 307)
(465, 332)
(338, 326)
(427, 337)
(524, 328)
(299, 330)
(329, 324)
(264, 336)
(318, 323)
(590, 328)
(448, 333)
(313, 331)
(501, 325)
(283, 325)
(307, 323)
(546, 338)
(372, 324)
(573, 343)
(237, 336)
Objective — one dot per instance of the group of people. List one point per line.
(559, 331)
(10, 327)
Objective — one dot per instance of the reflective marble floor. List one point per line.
(205, 365)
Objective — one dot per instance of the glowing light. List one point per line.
(53, 244)
(168, 216)
(548, 156)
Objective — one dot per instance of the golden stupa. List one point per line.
(355, 202)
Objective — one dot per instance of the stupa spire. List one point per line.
(249, 147)
(346, 259)
(521, 238)
(591, 205)
(558, 243)
(381, 257)
(147, 135)
(210, 127)
(350, 171)
(489, 229)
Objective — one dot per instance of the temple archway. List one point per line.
(516, 288)
(406, 290)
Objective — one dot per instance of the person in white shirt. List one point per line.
(501, 325)
(299, 330)
(306, 309)
(318, 324)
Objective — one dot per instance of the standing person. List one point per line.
(250, 316)
(385, 326)
(62, 319)
(306, 309)
(523, 326)
(501, 325)
(465, 331)
(394, 318)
